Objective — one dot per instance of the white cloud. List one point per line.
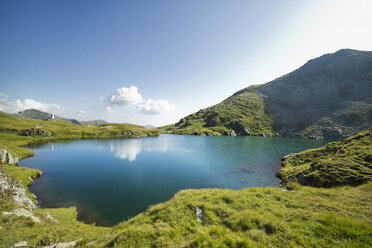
(9, 106)
(82, 113)
(155, 107)
(125, 96)
(131, 97)
(109, 109)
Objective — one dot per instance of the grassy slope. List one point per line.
(246, 110)
(11, 127)
(255, 217)
(338, 163)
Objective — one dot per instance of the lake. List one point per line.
(112, 180)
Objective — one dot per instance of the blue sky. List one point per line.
(153, 62)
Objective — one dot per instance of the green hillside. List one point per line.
(243, 114)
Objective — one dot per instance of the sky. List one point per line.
(154, 62)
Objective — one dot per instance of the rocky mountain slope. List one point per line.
(328, 97)
(40, 115)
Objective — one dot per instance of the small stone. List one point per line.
(62, 245)
(22, 244)
(51, 218)
(199, 214)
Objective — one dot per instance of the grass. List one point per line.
(348, 162)
(246, 110)
(255, 217)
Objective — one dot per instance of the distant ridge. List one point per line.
(37, 114)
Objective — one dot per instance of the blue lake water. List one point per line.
(113, 180)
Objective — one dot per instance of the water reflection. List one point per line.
(126, 149)
(130, 148)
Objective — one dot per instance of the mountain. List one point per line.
(328, 97)
(37, 114)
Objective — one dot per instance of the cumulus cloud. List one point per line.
(82, 113)
(155, 107)
(10, 106)
(131, 97)
(125, 96)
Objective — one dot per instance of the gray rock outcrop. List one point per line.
(24, 213)
(35, 132)
(17, 191)
(8, 158)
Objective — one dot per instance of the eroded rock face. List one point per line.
(7, 158)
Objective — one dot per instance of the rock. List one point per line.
(19, 193)
(22, 244)
(239, 128)
(199, 214)
(287, 156)
(51, 218)
(62, 245)
(91, 243)
(7, 157)
(301, 179)
(232, 133)
(23, 212)
(34, 132)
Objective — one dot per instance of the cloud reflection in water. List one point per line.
(130, 148)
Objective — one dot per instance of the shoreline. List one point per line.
(99, 221)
